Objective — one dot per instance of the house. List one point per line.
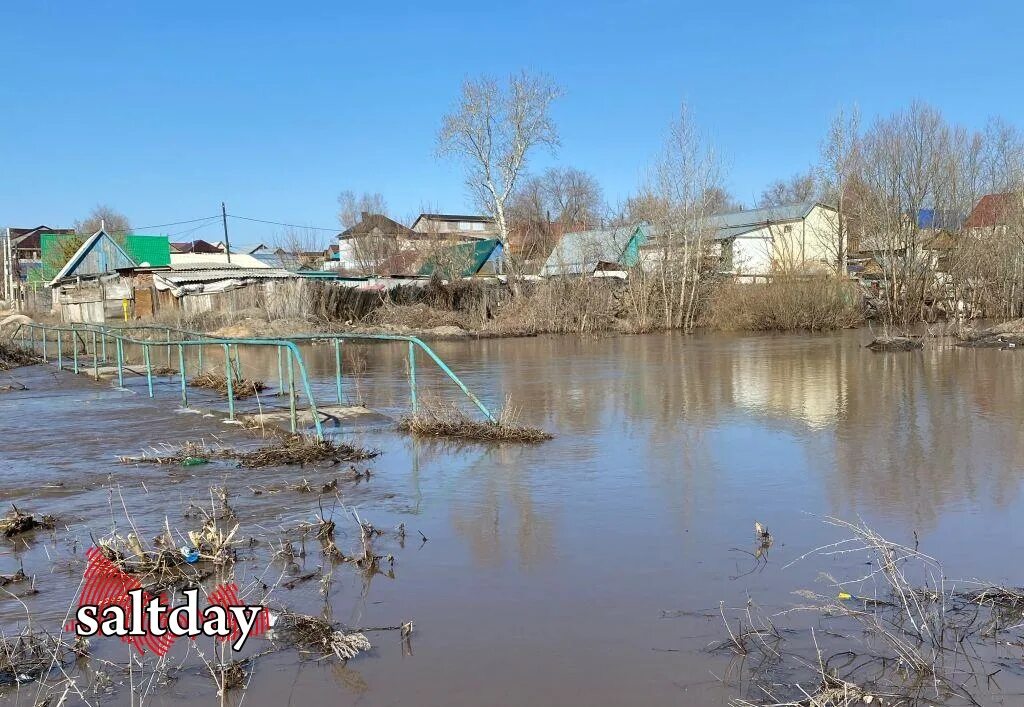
(532, 241)
(22, 254)
(366, 244)
(332, 257)
(457, 226)
(464, 260)
(370, 245)
(95, 284)
(289, 260)
(760, 243)
(597, 251)
(145, 250)
(993, 212)
(196, 246)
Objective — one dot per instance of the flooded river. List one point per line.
(588, 570)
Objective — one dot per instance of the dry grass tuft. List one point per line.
(437, 420)
(897, 633)
(240, 387)
(289, 450)
(303, 449)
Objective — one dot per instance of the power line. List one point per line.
(136, 229)
(193, 229)
(179, 223)
(333, 230)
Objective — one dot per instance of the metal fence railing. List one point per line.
(85, 346)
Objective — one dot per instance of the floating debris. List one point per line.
(17, 522)
(230, 676)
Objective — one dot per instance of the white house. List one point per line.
(761, 243)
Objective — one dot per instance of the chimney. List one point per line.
(364, 215)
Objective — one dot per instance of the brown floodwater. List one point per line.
(587, 570)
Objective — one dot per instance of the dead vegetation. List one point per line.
(240, 387)
(895, 343)
(207, 554)
(16, 522)
(313, 634)
(287, 450)
(785, 303)
(303, 449)
(900, 633)
(29, 655)
(14, 356)
(439, 420)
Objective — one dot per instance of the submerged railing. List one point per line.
(106, 344)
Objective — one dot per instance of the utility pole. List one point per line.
(224, 217)
(7, 265)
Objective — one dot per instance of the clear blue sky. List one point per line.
(164, 109)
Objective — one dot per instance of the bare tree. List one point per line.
(113, 222)
(573, 196)
(719, 200)
(686, 182)
(492, 131)
(800, 187)
(351, 207)
(839, 165)
(544, 207)
(299, 249)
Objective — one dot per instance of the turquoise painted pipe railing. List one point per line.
(148, 336)
(158, 331)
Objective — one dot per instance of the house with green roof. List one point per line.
(59, 249)
(464, 260)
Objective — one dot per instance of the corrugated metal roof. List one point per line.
(180, 260)
(579, 252)
(466, 257)
(154, 250)
(736, 223)
(185, 276)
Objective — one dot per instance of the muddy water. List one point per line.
(587, 570)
